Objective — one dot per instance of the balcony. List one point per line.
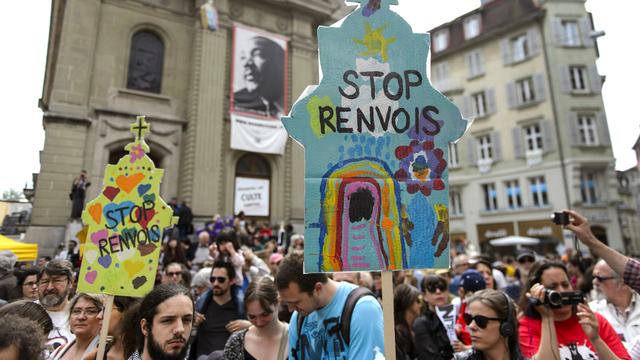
(449, 86)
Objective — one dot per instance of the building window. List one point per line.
(520, 51)
(513, 194)
(525, 90)
(455, 203)
(454, 161)
(490, 197)
(145, 62)
(253, 165)
(589, 187)
(471, 27)
(485, 151)
(474, 64)
(587, 130)
(571, 33)
(533, 137)
(538, 191)
(440, 40)
(578, 78)
(479, 104)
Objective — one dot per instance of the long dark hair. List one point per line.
(227, 235)
(177, 255)
(403, 297)
(535, 277)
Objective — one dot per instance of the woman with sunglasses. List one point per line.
(84, 324)
(432, 342)
(115, 342)
(574, 330)
(267, 337)
(493, 326)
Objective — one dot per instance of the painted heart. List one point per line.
(144, 220)
(98, 235)
(133, 268)
(403, 151)
(127, 183)
(125, 254)
(105, 261)
(146, 249)
(95, 211)
(111, 192)
(91, 256)
(139, 281)
(91, 276)
(143, 188)
(116, 213)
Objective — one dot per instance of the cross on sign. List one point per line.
(140, 128)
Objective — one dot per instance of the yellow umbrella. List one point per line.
(24, 251)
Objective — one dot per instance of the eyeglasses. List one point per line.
(526, 260)
(480, 320)
(177, 273)
(104, 309)
(54, 281)
(220, 279)
(602, 279)
(433, 287)
(31, 283)
(88, 311)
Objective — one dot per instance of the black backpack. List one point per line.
(344, 326)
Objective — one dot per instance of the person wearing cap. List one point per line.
(470, 282)
(525, 258)
(274, 261)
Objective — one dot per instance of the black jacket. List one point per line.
(473, 354)
(432, 342)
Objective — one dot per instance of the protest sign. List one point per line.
(375, 134)
(447, 316)
(125, 225)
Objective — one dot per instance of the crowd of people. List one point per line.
(232, 291)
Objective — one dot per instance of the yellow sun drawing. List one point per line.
(375, 41)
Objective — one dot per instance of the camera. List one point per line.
(560, 218)
(556, 300)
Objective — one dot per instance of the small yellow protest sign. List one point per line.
(125, 225)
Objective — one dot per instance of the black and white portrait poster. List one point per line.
(259, 73)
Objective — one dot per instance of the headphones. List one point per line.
(506, 328)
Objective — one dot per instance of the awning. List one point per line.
(24, 251)
(514, 241)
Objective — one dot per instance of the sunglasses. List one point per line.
(433, 287)
(220, 279)
(481, 321)
(602, 279)
(526, 260)
(177, 273)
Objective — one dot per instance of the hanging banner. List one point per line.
(125, 225)
(252, 196)
(257, 135)
(259, 76)
(375, 134)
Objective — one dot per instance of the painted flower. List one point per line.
(421, 167)
(137, 152)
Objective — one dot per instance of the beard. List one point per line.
(51, 302)
(156, 352)
(218, 291)
(598, 293)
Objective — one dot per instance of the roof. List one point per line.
(495, 16)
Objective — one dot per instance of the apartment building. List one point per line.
(526, 72)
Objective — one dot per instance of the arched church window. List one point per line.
(145, 62)
(253, 165)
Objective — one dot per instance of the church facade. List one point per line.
(110, 60)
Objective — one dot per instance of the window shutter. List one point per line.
(491, 101)
(479, 62)
(471, 151)
(596, 80)
(565, 78)
(585, 29)
(547, 137)
(445, 71)
(538, 85)
(557, 33)
(572, 127)
(518, 146)
(466, 107)
(533, 42)
(505, 51)
(497, 146)
(512, 102)
(468, 57)
(604, 130)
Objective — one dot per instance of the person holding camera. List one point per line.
(548, 302)
(78, 191)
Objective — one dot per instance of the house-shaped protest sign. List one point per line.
(375, 134)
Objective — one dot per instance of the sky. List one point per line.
(24, 35)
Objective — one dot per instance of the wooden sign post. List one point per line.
(387, 311)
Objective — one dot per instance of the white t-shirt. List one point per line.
(60, 335)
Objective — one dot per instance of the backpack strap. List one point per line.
(347, 311)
